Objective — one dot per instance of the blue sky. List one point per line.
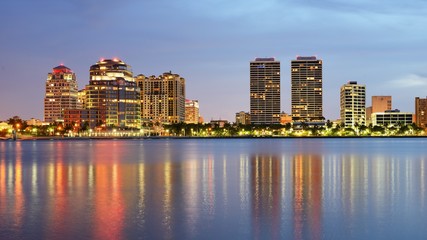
(210, 43)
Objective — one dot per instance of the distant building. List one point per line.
(265, 91)
(79, 119)
(162, 98)
(421, 112)
(114, 94)
(219, 123)
(381, 103)
(243, 118)
(352, 104)
(36, 122)
(192, 111)
(391, 117)
(61, 93)
(368, 115)
(285, 118)
(307, 89)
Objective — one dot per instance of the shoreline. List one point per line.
(58, 138)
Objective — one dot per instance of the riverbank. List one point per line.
(52, 138)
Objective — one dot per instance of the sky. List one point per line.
(382, 44)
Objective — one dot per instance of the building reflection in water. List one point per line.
(266, 196)
(307, 196)
(108, 193)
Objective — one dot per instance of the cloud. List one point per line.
(409, 81)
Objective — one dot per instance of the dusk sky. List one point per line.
(210, 43)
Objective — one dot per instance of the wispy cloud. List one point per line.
(409, 81)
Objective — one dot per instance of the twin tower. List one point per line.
(306, 90)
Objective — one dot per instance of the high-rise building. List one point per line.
(112, 91)
(192, 111)
(243, 118)
(421, 112)
(353, 97)
(61, 93)
(307, 90)
(162, 98)
(265, 91)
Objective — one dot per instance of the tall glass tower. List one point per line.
(112, 91)
(265, 91)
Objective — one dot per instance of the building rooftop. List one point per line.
(301, 58)
(61, 69)
(272, 59)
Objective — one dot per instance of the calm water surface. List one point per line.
(214, 189)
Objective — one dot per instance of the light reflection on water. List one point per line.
(213, 189)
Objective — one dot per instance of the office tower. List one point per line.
(381, 103)
(421, 112)
(61, 93)
(162, 98)
(113, 91)
(265, 91)
(307, 91)
(352, 105)
(192, 111)
(243, 118)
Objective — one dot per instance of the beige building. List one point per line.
(391, 117)
(162, 98)
(352, 104)
(192, 111)
(421, 112)
(61, 93)
(243, 118)
(113, 93)
(265, 91)
(307, 89)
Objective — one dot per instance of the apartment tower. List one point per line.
(162, 98)
(306, 89)
(61, 93)
(265, 91)
(112, 91)
(352, 104)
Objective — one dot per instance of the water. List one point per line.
(214, 189)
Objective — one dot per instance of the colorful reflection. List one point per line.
(158, 190)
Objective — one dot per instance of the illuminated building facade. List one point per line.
(61, 93)
(421, 112)
(391, 117)
(162, 98)
(112, 91)
(265, 91)
(352, 103)
(307, 90)
(243, 118)
(192, 111)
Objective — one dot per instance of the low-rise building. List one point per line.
(391, 117)
(243, 118)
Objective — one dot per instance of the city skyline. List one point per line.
(379, 45)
